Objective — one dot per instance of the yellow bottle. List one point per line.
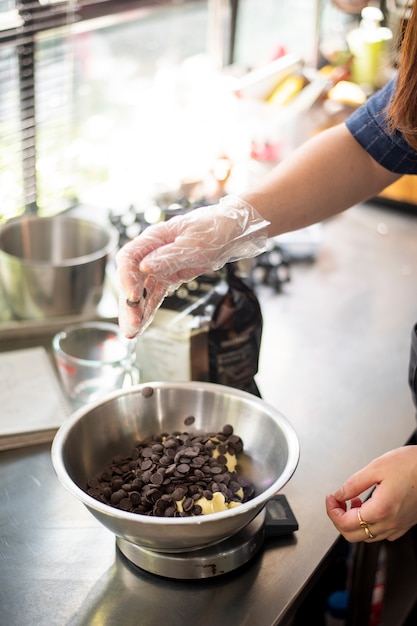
(369, 46)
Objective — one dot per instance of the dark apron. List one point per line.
(412, 379)
(412, 373)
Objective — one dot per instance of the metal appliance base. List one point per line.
(208, 562)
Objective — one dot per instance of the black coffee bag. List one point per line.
(234, 335)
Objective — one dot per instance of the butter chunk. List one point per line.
(216, 504)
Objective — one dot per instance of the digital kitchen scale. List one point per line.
(276, 519)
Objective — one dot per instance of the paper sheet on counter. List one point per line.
(32, 403)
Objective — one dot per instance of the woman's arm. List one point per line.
(328, 174)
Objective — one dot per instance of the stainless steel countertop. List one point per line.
(334, 361)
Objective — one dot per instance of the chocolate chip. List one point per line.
(125, 504)
(168, 468)
(117, 496)
(170, 511)
(135, 498)
(147, 392)
(179, 493)
(183, 468)
(117, 483)
(132, 303)
(221, 459)
(188, 504)
(157, 479)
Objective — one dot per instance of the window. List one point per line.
(102, 101)
(288, 24)
(72, 73)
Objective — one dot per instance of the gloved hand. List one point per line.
(170, 253)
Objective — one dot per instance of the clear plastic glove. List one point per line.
(170, 253)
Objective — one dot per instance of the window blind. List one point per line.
(35, 77)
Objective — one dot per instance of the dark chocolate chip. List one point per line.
(125, 504)
(168, 468)
(157, 479)
(132, 303)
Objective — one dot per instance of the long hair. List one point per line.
(402, 111)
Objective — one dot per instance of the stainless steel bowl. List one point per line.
(51, 266)
(87, 441)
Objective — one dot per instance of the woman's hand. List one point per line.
(391, 510)
(180, 249)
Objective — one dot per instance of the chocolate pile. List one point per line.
(172, 475)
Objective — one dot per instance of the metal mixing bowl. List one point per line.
(88, 440)
(51, 266)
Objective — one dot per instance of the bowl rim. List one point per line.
(110, 327)
(255, 503)
(105, 250)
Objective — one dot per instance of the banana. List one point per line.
(286, 90)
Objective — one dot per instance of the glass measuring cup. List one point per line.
(93, 359)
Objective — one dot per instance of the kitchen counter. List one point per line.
(334, 361)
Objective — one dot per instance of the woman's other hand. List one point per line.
(391, 510)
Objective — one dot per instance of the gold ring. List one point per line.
(365, 526)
